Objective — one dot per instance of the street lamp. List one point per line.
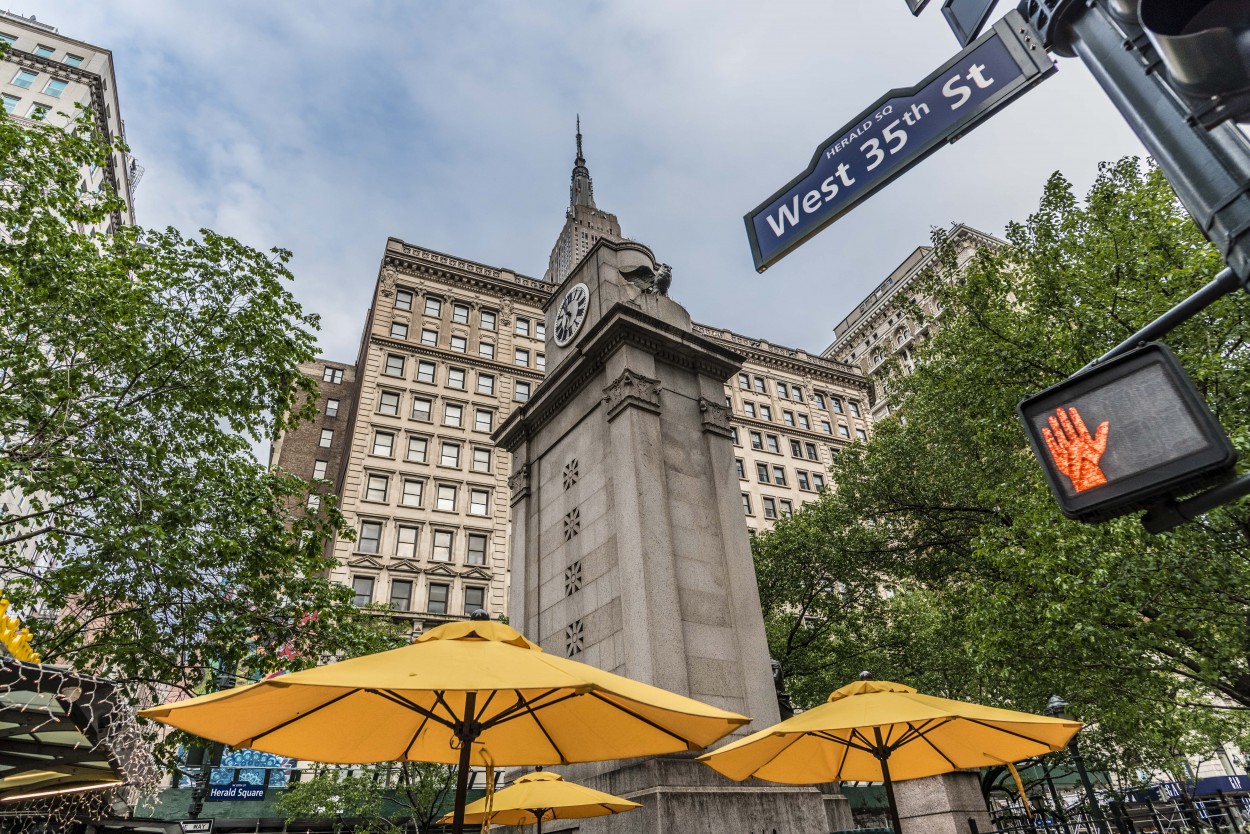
(1056, 707)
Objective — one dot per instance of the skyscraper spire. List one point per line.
(581, 190)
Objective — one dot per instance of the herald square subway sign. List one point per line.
(900, 130)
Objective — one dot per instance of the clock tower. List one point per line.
(630, 551)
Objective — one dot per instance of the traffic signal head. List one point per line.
(1205, 45)
(1130, 431)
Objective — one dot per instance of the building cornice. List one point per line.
(445, 269)
(793, 360)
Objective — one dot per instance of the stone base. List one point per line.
(941, 804)
(682, 796)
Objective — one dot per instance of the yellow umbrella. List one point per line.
(463, 693)
(878, 731)
(543, 796)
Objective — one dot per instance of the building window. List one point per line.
(826, 427)
(774, 445)
(811, 451)
(481, 459)
(766, 413)
(55, 87)
(836, 405)
(418, 447)
(455, 378)
(44, 51)
(479, 502)
(796, 448)
(453, 415)
(779, 475)
(375, 487)
(332, 408)
(459, 344)
(6, 39)
(422, 409)
(749, 408)
(522, 358)
(433, 306)
(449, 454)
(488, 320)
(742, 470)
(314, 502)
(483, 420)
(388, 403)
(486, 350)
(443, 540)
(783, 391)
(801, 477)
(733, 431)
(522, 326)
(399, 330)
(446, 498)
(522, 392)
(805, 423)
(362, 589)
(327, 437)
(819, 399)
(540, 330)
(429, 337)
(401, 594)
(757, 440)
(746, 504)
(436, 602)
(854, 408)
(477, 549)
(426, 371)
(796, 393)
(319, 470)
(460, 313)
(540, 361)
(370, 537)
(10, 103)
(333, 375)
(861, 435)
(24, 78)
(403, 300)
(761, 472)
(474, 598)
(843, 431)
(759, 385)
(394, 365)
(818, 481)
(787, 507)
(413, 492)
(744, 382)
(384, 444)
(406, 543)
(38, 112)
(787, 417)
(770, 507)
(486, 384)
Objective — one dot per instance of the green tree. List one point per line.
(965, 579)
(137, 370)
(381, 798)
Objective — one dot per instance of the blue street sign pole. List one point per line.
(897, 132)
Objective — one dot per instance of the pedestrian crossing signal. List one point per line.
(1125, 434)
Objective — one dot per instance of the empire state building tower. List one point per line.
(583, 223)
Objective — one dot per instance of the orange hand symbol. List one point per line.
(1075, 453)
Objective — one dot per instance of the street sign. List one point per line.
(900, 130)
(1129, 431)
(196, 826)
(967, 17)
(235, 792)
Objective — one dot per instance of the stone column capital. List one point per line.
(631, 390)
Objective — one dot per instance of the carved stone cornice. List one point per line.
(519, 483)
(715, 418)
(631, 390)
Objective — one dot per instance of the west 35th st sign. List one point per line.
(901, 129)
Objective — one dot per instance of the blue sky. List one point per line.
(325, 127)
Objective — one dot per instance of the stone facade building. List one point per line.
(879, 328)
(44, 75)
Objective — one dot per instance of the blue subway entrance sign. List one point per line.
(900, 130)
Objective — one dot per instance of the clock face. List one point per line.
(571, 314)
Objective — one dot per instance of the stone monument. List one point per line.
(629, 546)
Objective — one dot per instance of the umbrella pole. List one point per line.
(466, 747)
(889, 795)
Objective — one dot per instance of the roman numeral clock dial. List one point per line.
(571, 314)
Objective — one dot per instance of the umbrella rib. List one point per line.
(981, 723)
(520, 708)
(547, 735)
(300, 717)
(646, 721)
(824, 734)
(925, 738)
(417, 708)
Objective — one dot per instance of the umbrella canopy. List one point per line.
(463, 693)
(544, 796)
(878, 731)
